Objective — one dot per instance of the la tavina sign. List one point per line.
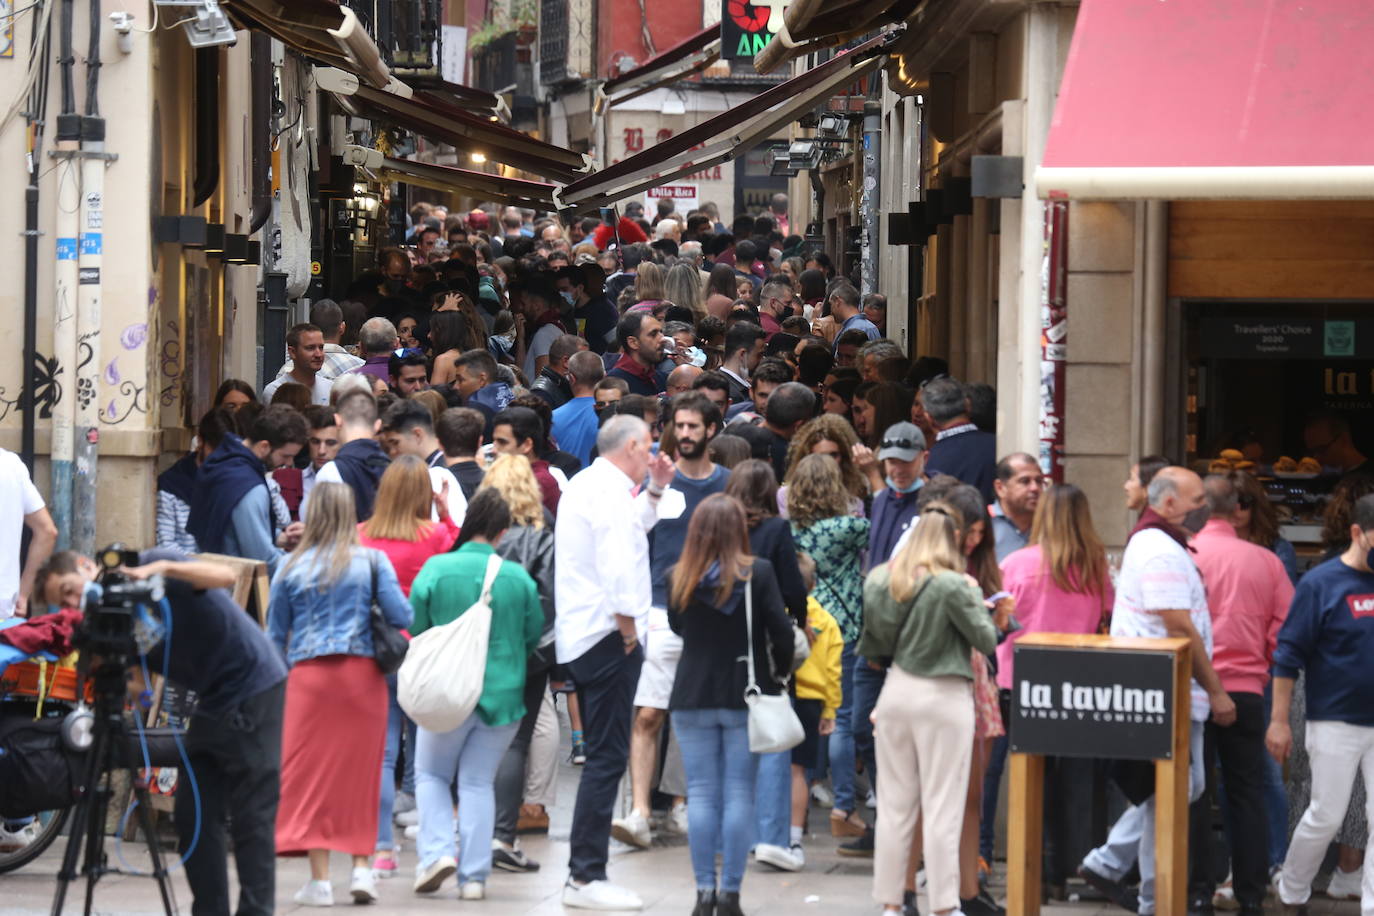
(1092, 702)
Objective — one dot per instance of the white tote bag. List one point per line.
(440, 681)
(773, 724)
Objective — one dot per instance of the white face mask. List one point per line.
(507, 339)
(695, 356)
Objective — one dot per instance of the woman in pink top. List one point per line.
(400, 527)
(1060, 584)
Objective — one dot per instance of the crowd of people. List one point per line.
(682, 464)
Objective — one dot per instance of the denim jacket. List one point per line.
(306, 621)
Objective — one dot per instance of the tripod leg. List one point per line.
(145, 818)
(68, 873)
(99, 791)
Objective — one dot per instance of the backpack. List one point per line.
(440, 681)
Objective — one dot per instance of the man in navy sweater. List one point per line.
(961, 449)
(1329, 634)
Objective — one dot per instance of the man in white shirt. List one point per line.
(1160, 594)
(408, 429)
(305, 346)
(602, 593)
(20, 506)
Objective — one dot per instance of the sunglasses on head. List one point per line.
(900, 443)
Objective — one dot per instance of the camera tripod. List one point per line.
(112, 749)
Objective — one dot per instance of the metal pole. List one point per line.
(869, 199)
(65, 354)
(91, 224)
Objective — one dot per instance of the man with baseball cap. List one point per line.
(902, 457)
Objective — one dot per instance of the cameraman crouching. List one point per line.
(234, 739)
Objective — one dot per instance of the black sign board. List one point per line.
(1281, 338)
(1093, 702)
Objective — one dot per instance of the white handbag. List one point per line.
(773, 724)
(440, 681)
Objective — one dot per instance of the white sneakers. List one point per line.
(431, 878)
(363, 887)
(779, 858)
(821, 796)
(633, 831)
(600, 895)
(1345, 885)
(315, 893)
(15, 840)
(676, 821)
(472, 890)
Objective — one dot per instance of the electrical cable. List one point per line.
(181, 750)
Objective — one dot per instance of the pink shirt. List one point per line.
(1248, 593)
(408, 556)
(1042, 606)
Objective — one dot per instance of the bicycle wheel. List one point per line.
(20, 845)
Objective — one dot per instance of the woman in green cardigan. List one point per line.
(922, 614)
(449, 584)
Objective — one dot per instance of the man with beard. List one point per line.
(641, 348)
(694, 421)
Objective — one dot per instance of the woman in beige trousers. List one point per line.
(922, 616)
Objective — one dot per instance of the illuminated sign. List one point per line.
(747, 25)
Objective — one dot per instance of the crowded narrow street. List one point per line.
(690, 457)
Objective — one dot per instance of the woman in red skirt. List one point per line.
(334, 732)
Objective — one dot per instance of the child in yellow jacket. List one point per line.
(818, 697)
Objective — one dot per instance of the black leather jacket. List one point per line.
(532, 548)
(552, 387)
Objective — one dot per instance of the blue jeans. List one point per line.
(868, 683)
(842, 739)
(720, 788)
(472, 752)
(992, 788)
(773, 799)
(395, 720)
(1132, 837)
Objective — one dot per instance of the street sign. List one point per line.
(683, 196)
(1088, 702)
(745, 26)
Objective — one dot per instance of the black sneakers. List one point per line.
(511, 858)
(1115, 891)
(981, 905)
(860, 847)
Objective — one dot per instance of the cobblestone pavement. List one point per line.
(830, 884)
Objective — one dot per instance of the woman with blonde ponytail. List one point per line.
(922, 617)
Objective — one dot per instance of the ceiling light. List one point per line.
(479, 158)
(832, 125)
(781, 167)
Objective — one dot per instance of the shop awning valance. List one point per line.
(320, 30)
(727, 135)
(442, 122)
(1222, 99)
(467, 98)
(483, 185)
(691, 55)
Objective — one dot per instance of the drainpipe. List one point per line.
(91, 224)
(68, 202)
(869, 199)
(36, 116)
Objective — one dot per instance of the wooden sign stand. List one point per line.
(1026, 804)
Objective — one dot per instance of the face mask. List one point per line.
(787, 312)
(1194, 520)
(507, 339)
(695, 356)
(568, 298)
(395, 284)
(915, 485)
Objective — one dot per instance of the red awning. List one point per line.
(430, 116)
(1171, 99)
(665, 60)
(687, 57)
(727, 135)
(482, 185)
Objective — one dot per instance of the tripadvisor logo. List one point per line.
(1092, 703)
